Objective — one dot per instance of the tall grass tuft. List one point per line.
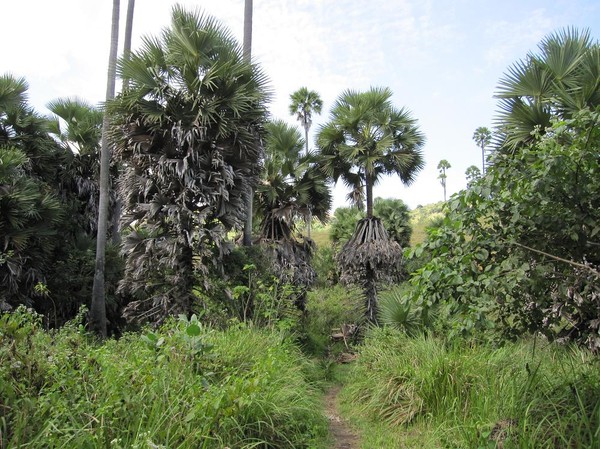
(476, 396)
(183, 386)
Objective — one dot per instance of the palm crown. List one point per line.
(563, 78)
(367, 137)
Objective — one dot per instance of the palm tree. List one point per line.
(187, 129)
(304, 103)
(563, 78)
(31, 212)
(472, 173)
(442, 167)
(292, 187)
(367, 137)
(247, 45)
(482, 137)
(78, 126)
(98, 306)
(292, 183)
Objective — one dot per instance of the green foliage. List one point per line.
(246, 288)
(343, 224)
(398, 310)
(187, 129)
(366, 138)
(422, 218)
(393, 213)
(434, 394)
(518, 250)
(47, 211)
(325, 266)
(182, 385)
(556, 82)
(328, 309)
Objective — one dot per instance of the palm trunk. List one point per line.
(248, 30)
(116, 218)
(482, 159)
(247, 239)
(370, 291)
(306, 138)
(98, 306)
(128, 33)
(369, 188)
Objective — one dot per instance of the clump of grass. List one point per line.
(183, 386)
(462, 394)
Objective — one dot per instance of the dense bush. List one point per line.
(518, 251)
(329, 309)
(183, 386)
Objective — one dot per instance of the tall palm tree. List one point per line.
(472, 173)
(128, 33)
(98, 305)
(292, 186)
(442, 167)
(366, 138)
(188, 130)
(482, 137)
(303, 104)
(247, 46)
(563, 78)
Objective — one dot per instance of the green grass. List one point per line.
(183, 386)
(321, 236)
(429, 394)
(421, 218)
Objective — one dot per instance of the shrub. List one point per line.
(329, 309)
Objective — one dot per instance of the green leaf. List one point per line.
(193, 330)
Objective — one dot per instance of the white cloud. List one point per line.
(442, 59)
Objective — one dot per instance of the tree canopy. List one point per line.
(187, 129)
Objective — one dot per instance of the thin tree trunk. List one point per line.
(127, 37)
(116, 218)
(369, 187)
(248, 30)
(98, 306)
(482, 159)
(247, 239)
(306, 138)
(370, 291)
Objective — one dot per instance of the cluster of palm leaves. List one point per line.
(187, 135)
(48, 194)
(559, 80)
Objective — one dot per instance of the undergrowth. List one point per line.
(183, 386)
(434, 394)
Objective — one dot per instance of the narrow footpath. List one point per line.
(340, 431)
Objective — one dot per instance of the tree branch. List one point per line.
(560, 259)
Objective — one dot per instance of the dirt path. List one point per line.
(343, 437)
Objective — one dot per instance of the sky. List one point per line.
(441, 58)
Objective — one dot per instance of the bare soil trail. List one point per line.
(342, 435)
